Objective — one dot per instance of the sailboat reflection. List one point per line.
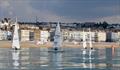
(16, 58)
(90, 59)
(84, 59)
(87, 59)
(57, 60)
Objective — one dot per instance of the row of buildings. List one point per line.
(97, 36)
(45, 32)
(26, 35)
(44, 35)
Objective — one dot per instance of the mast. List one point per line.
(84, 40)
(90, 39)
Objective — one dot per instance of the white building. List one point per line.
(24, 35)
(100, 36)
(88, 34)
(74, 35)
(44, 35)
(71, 35)
(77, 35)
(1, 25)
(119, 36)
(31, 35)
(3, 35)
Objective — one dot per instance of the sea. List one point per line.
(68, 59)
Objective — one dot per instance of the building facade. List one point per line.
(3, 35)
(100, 36)
(112, 36)
(77, 35)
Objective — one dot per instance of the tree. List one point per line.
(105, 24)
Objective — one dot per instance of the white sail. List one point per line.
(15, 43)
(84, 40)
(57, 37)
(90, 39)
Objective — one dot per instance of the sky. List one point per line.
(61, 10)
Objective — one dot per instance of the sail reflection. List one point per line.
(90, 59)
(87, 59)
(16, 58)
(84, 59)
(57, 60)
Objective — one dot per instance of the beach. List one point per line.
(32, 44)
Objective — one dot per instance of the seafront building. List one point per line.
(34, 35)
(100, 36)
(76, 35)
(97, 36)
(112, 36)
(3, 35)
(27, 32)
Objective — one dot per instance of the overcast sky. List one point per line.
(62, 10)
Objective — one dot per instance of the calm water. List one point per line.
(70, 59)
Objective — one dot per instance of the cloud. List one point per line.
(25, 12)
(111, 19)
(56, 10)
(4, 3)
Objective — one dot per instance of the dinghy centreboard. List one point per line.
(16, 42)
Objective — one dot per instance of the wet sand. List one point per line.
(29, 44)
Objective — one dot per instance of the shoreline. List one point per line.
(31, 44)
